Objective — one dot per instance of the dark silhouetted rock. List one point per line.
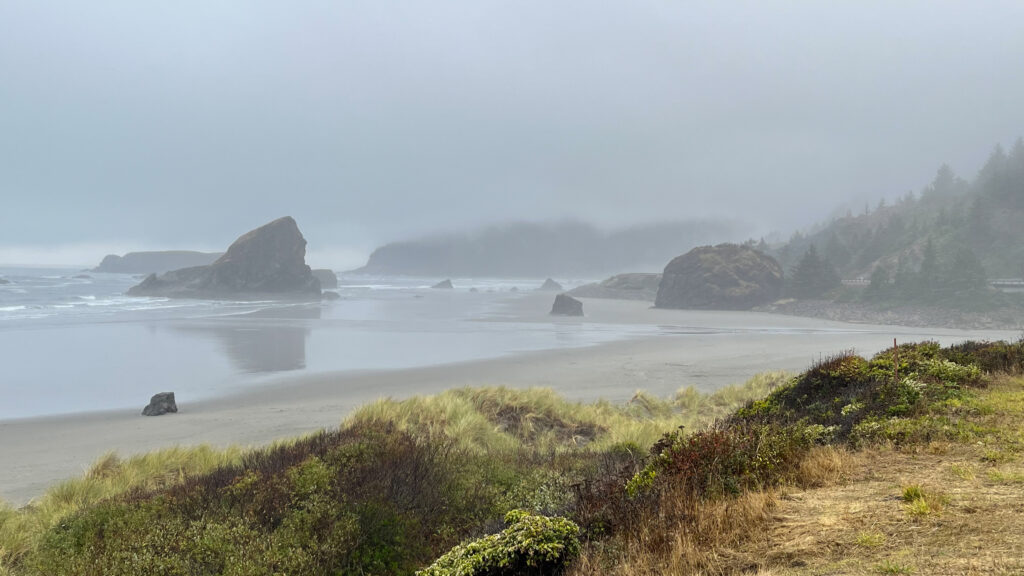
(722, 277)
(328, 295)
(635, 286)
(566, 305)
(327, 278)
(443, 285)
(269, 261)
(160, 404)
(155, 262)
(82, 277)
(550, 285)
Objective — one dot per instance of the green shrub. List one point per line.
(531, 545)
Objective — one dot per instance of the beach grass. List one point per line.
(846, 468)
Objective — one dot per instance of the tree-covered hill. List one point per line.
(538, 249)
(983, 217)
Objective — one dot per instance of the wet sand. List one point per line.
(703, 349)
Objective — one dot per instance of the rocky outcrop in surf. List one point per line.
(550, 285)
(327, 278)
(722, 277)
(566, 305)
(269, 261)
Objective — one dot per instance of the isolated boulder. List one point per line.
(550, 285)
(566, 305)
(327, 278)
(269, 261)
(160, 404)
(632, 286)
(722, 277)
(443, 285)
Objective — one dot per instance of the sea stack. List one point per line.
(722, 277)
(550, 285)
(443, 285)
(566, 305)
(269, 261)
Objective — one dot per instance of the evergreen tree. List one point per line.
(929, 276)
(813, 276)
(836, 251)
(880, 286)
(965, 273)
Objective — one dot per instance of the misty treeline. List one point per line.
(949, 237)
(557, 249)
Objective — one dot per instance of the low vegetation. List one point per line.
(851, 456)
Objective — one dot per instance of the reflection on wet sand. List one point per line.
(266, 341)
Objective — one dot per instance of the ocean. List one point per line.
(71, 341)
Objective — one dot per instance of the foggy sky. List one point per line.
(132, 125)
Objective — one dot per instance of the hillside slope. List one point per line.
(982, 215)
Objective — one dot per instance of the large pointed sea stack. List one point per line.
(269, 261)
(722, 277)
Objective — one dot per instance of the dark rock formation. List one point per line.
(722, 277)
(635, 286)
(327, 278)
(566, 305)
(328, 295)
(269, 261)
(160, 404)
(550, 285)
(82, 277)
(443, 285)
(155, 262)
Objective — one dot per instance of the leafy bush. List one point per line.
(531, 545)
(727, 458)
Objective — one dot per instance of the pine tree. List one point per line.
(813, 276)
(929, 276)
(965, 273)
(880, 286)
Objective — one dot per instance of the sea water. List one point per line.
(71, 341)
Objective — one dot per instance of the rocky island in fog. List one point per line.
(269, 261)
(155, 262)
(558, 249)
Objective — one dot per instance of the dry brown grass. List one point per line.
(942, 508)
(825, 466)
(974, 522)
(686, 538)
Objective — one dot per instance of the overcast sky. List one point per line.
(130, 125)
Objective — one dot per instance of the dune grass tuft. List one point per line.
(108, 477)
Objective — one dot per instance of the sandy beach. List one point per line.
(703, 349)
